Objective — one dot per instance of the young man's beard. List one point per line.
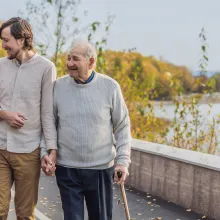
(14, 55)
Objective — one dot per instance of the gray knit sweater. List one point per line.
(93, 125)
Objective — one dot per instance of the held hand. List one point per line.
(123, 170)
(48, 163)
(14, 119)
(44, 161)
(53, 158)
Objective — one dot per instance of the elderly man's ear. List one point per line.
(91, 63)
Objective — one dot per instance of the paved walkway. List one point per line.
(142, 207)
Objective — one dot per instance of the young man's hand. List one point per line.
(13, 119)
(123, 170)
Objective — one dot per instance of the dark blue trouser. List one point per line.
(96, 186)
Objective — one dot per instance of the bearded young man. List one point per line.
(90, 114)
(26, 113)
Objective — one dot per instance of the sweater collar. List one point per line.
(87, 81)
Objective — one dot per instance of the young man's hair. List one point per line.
(20, 28)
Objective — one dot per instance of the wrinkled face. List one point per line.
(77, 65)
(10, 44)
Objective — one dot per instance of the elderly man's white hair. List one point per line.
(89, 50)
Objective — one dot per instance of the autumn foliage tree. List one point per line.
(2, 52)
(142, 79)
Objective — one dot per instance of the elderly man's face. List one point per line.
(77, 65)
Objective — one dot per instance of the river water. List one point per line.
(206, 114)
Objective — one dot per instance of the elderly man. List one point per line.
(90, 114)
(26, 108)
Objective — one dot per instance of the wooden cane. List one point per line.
(127, 213)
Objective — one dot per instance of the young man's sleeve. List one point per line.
(44, 148)
(47, 112)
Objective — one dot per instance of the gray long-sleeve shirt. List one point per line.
(90, 118)
(28, 89)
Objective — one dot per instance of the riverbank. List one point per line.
(203, 99)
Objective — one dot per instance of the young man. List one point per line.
(26, 109)
(90, 112)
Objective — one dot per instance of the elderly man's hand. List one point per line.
(123, 170)
(48, 163)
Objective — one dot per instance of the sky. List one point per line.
(167, 29)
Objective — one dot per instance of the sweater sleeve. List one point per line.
(121, 128)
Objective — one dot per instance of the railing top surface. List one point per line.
(187, 156)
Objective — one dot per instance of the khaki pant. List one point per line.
(22, 169)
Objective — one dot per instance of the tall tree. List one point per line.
(2, 52)
(56, 25)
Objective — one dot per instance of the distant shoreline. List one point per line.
(206, 99)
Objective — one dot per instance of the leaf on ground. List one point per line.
(139, 213)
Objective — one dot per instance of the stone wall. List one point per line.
(187, 178)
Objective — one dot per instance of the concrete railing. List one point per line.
(187, 178)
